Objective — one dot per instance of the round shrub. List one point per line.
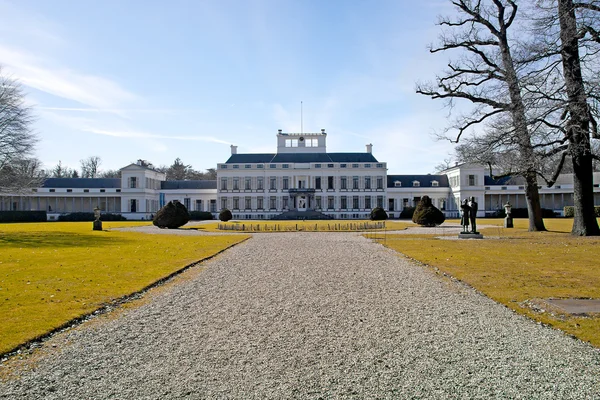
(378, 214)
(171, 216)
(426, 214)
(225, 215)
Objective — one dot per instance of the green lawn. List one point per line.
(53, 272)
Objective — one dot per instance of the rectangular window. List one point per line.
(133, 182)
(133, 205)
(285, 203)
(213, 206)
(318, 183)
(260, 166)
(380, 201)
(472, 180)
(291, 142)
(236, 203)
(273, 183)
(69, 190)
(223, 203)
(367, 165)
(355, 202)
(329, 165)
(368, 202)
(342, 165)
(223, 183)
(260, 183)
(317, 165)
(86, 190)
(248, 166)
(248, 183)
(285, 183)
(273, 203)
(379, 165)
(379, 182)
(187, 202)
(355, 182)
(312, 143)
(318, 202)
(272, 165)
(259, 203)
(223, 166)
(52, 190)
(199, 205)
(236, 183)
(344, 203)
(330, 202)
(343, 183)
(248, 203)
(235, 166)
(285, 166)
(330, 182)
(368, 183)
(354, 165)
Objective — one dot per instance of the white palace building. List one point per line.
(300, 180)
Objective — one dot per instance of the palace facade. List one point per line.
(300, 179)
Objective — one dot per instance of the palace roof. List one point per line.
(83, 183)
(191, 184)
(267, 158)
(424, 180)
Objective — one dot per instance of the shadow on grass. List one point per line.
(54, 239)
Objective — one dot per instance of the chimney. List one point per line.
(233, 149)
(323, 132)
(370, 148)
(279, 131)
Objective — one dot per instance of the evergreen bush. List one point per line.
(407, 213)
(200, 215)
(23, 216)
(569, 211)
(171, 216)
(225, 215)
(378, 214)
(426, 214)
(89, 216)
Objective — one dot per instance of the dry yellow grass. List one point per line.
(53, 272)
(519, 266)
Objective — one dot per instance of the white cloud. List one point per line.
(93, 91)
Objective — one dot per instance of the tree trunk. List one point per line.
(526, 153)
(534, 209)
(584, 223)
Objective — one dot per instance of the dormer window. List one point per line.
(291, 142)
(416, 183)
(397, 184)
(435, 183)
(312, 143)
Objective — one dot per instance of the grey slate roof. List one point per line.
(266, 158)
(504, 181)
(82, 183)
(424, 180)
(196, 184)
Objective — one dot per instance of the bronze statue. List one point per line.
(464, 215)
(473, 213)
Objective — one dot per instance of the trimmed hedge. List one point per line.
(89, 216)
(200, 215)
(522, 213)
(225, 215)
(569, 211)
(427, 214)
(407, 213)
(378, 214)
(23, 216)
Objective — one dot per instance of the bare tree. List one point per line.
(17, 139)
(488, 76)
(89, 166)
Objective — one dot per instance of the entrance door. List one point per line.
(302, 203)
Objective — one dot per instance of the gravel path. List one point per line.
(309, 316)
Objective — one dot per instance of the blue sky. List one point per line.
(157, 80)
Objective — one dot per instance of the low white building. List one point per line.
(301, 179)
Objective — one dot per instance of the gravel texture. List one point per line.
(310, 316)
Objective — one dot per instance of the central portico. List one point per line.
(301, 180)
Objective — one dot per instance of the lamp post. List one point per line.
(97, 222)
(508, 220)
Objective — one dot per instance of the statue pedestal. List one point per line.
(508, 222)
(470, 235)
(97, 225)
